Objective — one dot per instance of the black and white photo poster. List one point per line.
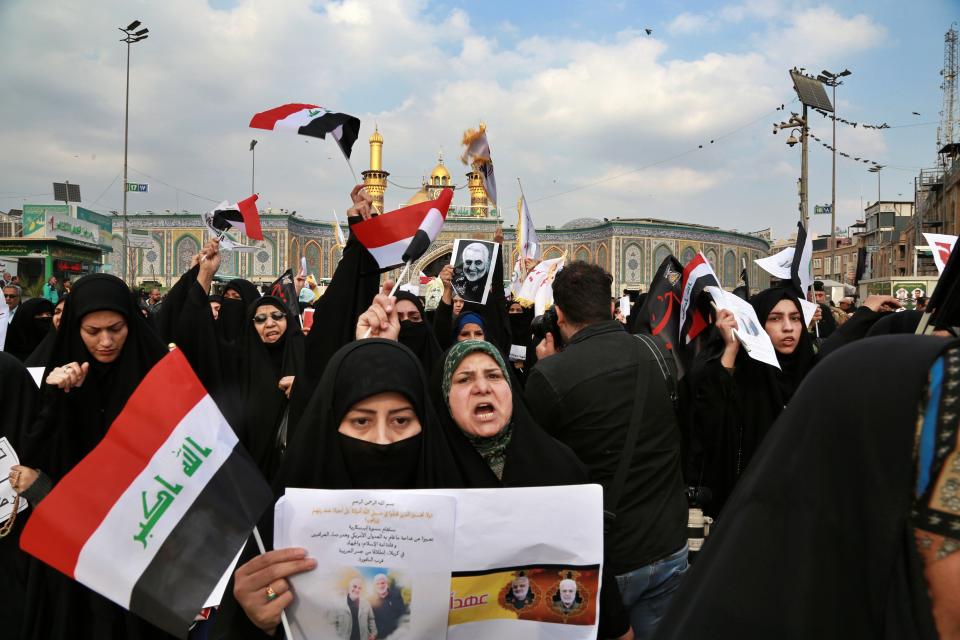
(473, 262)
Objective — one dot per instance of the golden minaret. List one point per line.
(375, 178)
(479, 205)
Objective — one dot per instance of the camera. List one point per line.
(544, 324)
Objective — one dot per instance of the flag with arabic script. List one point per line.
(156, 513)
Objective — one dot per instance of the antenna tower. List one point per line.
(949, 128)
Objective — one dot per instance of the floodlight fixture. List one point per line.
(142, 32)
(133, 25)
(792, 140)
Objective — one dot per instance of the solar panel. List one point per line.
(811, 91)
(66, 192)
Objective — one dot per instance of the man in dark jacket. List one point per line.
(584, 396)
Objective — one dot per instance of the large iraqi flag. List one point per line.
(311, 120)
(697, 274)
(404, 235)
(155, 514)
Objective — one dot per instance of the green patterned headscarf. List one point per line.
(461, 350)
(493, 450)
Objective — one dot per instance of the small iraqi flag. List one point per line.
(155, 514)
(403, 235)
(311, 120)
(242, 216)
(696, 275)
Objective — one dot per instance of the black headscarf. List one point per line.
(20, 396)
(816, 541)
(793, 367)
(68, 428)
(231, 320)
(899, 322)
(318, 459)
(418, 336)
(25, 332)
(258, 413)
(40, 355)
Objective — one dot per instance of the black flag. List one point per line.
(285, 289)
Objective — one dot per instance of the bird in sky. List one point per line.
(649, 31)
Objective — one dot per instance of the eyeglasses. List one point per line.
(10, 295)
(261, 318)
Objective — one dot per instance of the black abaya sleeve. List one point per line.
(443, 325)
(352, 288)
(852, 330)
(169, 316)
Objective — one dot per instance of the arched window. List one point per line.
(633, 264)
(712, 259)
(335, 254)
(659, 255)
(730, 269)
(687, 255)
(582, 254)
(264, 258)
(294, 258)
(312, 252)
(186, 248)
(602, 258)
(552, 252)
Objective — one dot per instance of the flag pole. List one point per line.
(393, 292)
(283, 614)
(523, 200)
(353, 171)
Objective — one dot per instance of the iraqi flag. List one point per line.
(403, 235)
(696, 275)
(242, 216)
(155, 514)
(311, 120)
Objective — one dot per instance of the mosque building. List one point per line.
(631, 249)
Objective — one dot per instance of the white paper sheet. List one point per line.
(749, 331)
(37, 374)
(778, 265)
(809, 309)
(8, 458)
(518, 353)
(357, 537)
(625, 306)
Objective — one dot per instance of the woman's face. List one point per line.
(470, 331)
(515, 309)
(457, 305)
(270, 323)
(406, 310)
(384, 418)
(57, 314)
(784, 325)
(232, 294)
(480, 399)
(104, 334)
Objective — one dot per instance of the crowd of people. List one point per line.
(834, 480)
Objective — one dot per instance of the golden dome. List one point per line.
(419, 196)
(376, 137)
(440, 171)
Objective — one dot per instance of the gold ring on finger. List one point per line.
(271, 594)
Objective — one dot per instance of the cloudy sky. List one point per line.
(595, 116)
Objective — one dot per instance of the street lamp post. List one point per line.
(832, 80)
(129, 36)
(799, 124)
(877, 169)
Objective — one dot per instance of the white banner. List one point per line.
(539, 581)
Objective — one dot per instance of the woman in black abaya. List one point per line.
(736, 399)
(338, 447)
(496, 443)
(820, 538)
(39, 356)
(103, 350)
(20, 404)
(416, 332)
(28, 328)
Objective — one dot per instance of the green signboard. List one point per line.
(104, 224)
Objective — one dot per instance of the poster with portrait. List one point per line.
(473, 262)
(384, 560)
(750, 331)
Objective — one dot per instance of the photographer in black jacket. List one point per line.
(605, 396)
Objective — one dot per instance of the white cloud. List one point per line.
(562, 112)
(689, 23)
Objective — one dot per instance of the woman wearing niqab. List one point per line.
(322, 456)
(734, 404)
(839, 529)
(418, 336)
(29, 327)
(69, 426)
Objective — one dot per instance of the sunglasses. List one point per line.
(261, 318)
(10, 295)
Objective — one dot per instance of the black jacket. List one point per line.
(583, 396)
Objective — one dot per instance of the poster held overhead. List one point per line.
(472, 262)
(749, 331)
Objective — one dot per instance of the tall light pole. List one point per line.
(877, 169)
(129, 36)
(798, 124)
(832, 80)
(253, 166)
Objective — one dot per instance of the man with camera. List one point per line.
(605, 394)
